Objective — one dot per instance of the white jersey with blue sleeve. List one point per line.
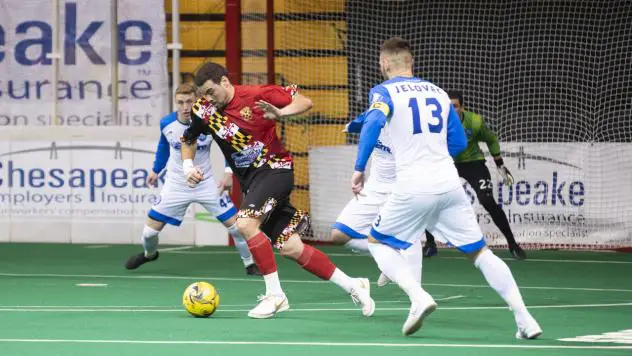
(176, 195)
(417, 114)
(170, 132)
(426, 133)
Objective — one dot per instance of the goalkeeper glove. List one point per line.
(508, 179)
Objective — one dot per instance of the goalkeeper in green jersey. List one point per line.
(471, 166)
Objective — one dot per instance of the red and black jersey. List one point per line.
(248, 140)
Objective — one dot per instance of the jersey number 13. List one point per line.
(436, 113)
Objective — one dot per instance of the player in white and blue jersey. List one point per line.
(353, 225)
(425, 131)
(177, 195)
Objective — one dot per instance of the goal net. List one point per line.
(550, 77)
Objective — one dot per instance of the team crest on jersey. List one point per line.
(246, 113)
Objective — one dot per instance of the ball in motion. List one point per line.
(200, 299)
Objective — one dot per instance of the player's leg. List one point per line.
(464, 233)
(354, 222)
(430, 247)
(399, 225)
(287, 225)
(477, 175)
(223, 209)
(169, 208)
(265, 192)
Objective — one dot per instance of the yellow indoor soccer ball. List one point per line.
(200, 299)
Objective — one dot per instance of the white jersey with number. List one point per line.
(418, 116)
(176, 195)
(427, 193)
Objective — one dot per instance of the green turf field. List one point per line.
(43, 311)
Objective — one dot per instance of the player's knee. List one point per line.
(293, 247)
(338, 237)
(248, 227)
(230, 222)
(155, 224)
(473, 256)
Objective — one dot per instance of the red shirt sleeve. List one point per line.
(278, 96)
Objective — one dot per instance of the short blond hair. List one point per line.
(186, 88)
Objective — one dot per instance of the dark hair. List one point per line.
(212, 71)
(455, 94)
(396, 45)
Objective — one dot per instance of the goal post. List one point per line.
(550, 78)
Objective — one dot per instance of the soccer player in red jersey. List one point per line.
(241, 119)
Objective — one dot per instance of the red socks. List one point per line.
(311, 259)
(316, 262)
(261, 250)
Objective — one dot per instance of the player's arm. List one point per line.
(277, 102)
(375, 119)
(457, 141)
(493, 145)
(489, 137)
(355, 126)
(160, 159)
(189, 147)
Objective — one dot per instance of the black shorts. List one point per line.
(268, 197)
(477, 175)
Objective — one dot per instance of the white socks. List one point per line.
(395, 267)
(359, 246)
(149, 240)
(414, 257)
(273, 284)
(499, 277)
(241, 245)
(342, 280)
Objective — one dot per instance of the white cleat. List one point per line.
(268, 306)
(528, 328)
(383, 280)
(361, 294)
(419, 310)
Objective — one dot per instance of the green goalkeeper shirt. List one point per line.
(477, 131)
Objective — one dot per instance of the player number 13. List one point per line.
(436, 113)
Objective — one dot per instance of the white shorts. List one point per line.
(175, 198)
(356, 218)
(448, 216)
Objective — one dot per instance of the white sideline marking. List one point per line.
(91, 284)
(173, 249)
(171, 310)
(173, 306)
(258, 280)
(310, 343)
(619, 337)
(439, 257)
(97, 246)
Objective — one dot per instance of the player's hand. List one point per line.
(192, 173)
(357, 183)
(508, 179)
(270, 111)
(152, 179)
(226, 184)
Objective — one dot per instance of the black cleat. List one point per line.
(139, 260)
(252, 270)
(430, 251)
(517, 252)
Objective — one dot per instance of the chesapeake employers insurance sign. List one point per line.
(84, 89)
